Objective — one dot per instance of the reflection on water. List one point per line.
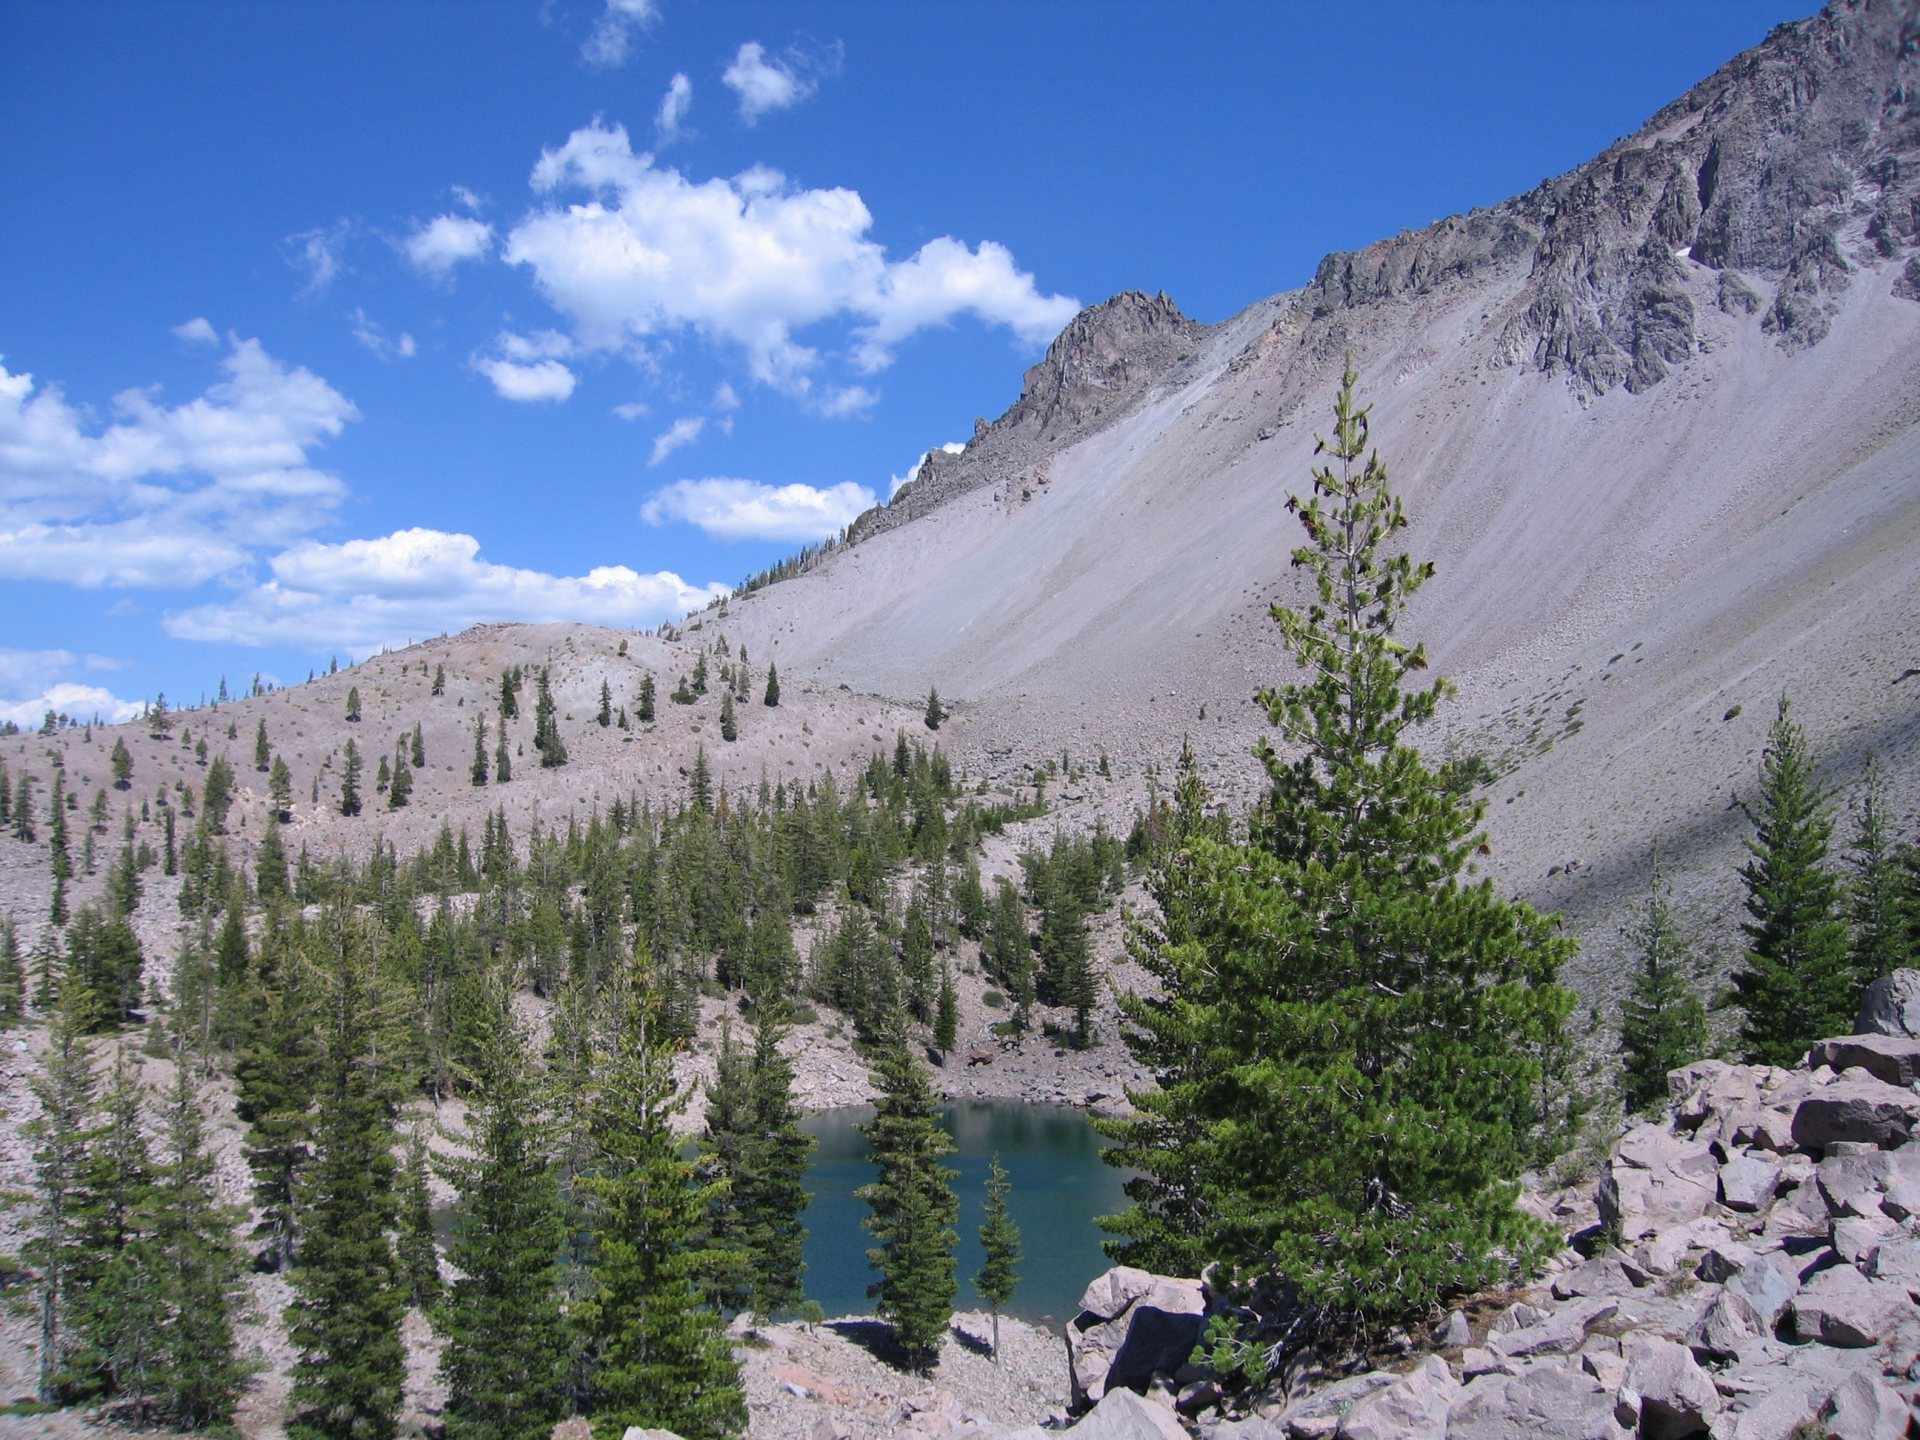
(1051, 1154)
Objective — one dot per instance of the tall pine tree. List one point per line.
(1663, 1025)
(1000, 1243)
(1348, 1032)
(1796, 984)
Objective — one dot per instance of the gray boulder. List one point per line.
(1413, 1407)
(1120, 1415)
(1841, 1307)
(1855, 1107)
(1864, 1407)
(1723, 1331)
(1747, 1184)
(1765, 1289)
(1677, 1397)
(1891, 1006)
(1892, 1058)
(1132, 1325)
(1555, 1402)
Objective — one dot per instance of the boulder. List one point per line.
(1891, 1005)
(1131, 1325)
(1677, 1398)
(1855, 1239)
(1765, 1289)
(1601, 1275)
(1852, 1184)
(1855, 1107)
(1315, 1415)
(1747, 1184)
(1561, 1333)
(1657, 1180)
(1892, 1058)
(1722, 1262)
(1864, 1407)
(1413, 1407)
(1720, 1333)
(1841, 1307)
(1556, 1402)
(635, 1432)
(1453, 1333)
(1120, 1415)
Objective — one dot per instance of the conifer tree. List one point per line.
(772, 696)
(23, 808)
(509, 701)
(729, 727)
(773, 1181)
(196, 1373)
(546, 728)
(502, 762)
(417, 748)
(280, 790)
(700, 673)
(660, 1353)
(645, 708)
(477, 773)
(414, 1244)
(262, 751)
(1000, 1240)
(934, 713)
(439, 679)
(1663, 1025)
(353, 703)
(1348, 1033)
(728, 1281)
(122, 762)
(1880, 944)
(700, 781)
(604, 717)
(218, 795)
(13, 975)
(274, 1075)
(61, 860)
(400, 788)
(913, 1207)
(350, 780)
(507, 1347)
(350, 1294)
(946, 1015)
(1796, 983)
(67, 1088)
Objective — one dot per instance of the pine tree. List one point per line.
(196, 1372)
(353, 703)
(700, 673)
(414, 1245)
(350, 780)
(122, 762)
(478, 772)
(946, 1015)
(280, 790)
(1796, 983)
(509, 701)
(23, 808)
(772, 696)
(218, 795)
(507, 1347)
(502, 762)
(13, 975)
(1348, 1036)
(1880, 944)
(400, 789)
(728, 1281)
(729, 727)
(439, 679)
(645, 708)
(1000, 1239)
(661, 1353)
(61, 860)
(349, 1293)
(934, 713)
(546, 728)
(604, 717)
(773, 1192)
(274, 1076)
(262, 751)
(700, 781)
(67, 1088)
(1663, 1025)
(913, 1207)
(417, 748)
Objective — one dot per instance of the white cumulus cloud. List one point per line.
(614, 32)
(682, 432)
(528, 368)
(164, 495)
(444, 241)
(672, 114)
(32, 682)
(197, 331)
(363, 595)
(751, 261)
(765, 85)
(731, 509)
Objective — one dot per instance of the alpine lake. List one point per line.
(1052, 1157)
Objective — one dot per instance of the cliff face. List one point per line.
(1795, 163)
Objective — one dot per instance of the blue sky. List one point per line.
(327, 327)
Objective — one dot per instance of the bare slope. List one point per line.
(1665, 408)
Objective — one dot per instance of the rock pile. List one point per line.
(1752, 1276)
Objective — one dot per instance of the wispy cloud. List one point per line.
(765, 83)
(733, 509)
(319, 254)
(681, 433)
(619, 25)
(444, 241)
(528, 368)
(672, 114)
(371, 334)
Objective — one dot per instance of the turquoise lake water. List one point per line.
(1050, 1153)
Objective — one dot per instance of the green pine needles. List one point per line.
(1350, 1040)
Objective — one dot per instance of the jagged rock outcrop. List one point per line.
(1753, 1276)
(1132, 1326)
(1779, 165)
